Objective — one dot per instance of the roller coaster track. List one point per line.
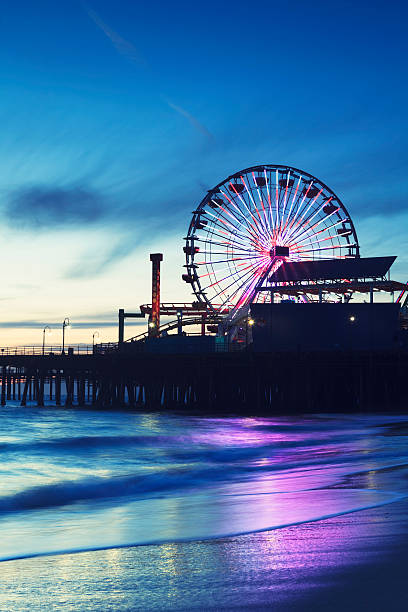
(174, 324)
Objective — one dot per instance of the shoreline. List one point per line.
(352, 561)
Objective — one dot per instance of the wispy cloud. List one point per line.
(128, 50)
(122, 46)
(193, 121)
(90, 265)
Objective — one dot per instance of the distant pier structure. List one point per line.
(287, 317)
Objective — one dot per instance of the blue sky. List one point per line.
(118, 116)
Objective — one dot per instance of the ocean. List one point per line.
(112, 486)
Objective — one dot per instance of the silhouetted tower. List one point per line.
(154, 323)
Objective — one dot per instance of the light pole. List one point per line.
(96, 333)
(65, 324)
(179, 322)
(249, 322)
(47, 327)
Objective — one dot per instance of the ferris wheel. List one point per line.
(253, 222)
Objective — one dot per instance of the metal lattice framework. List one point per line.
(255, 220)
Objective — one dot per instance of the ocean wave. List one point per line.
(147, 529)
(104, 488)
(84, 443)
(296, 476)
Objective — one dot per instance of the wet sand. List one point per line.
(351, 562)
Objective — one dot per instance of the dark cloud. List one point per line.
(41, 207)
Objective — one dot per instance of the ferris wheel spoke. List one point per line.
(305, 222)
(285, 199)
(219, 270)
(223, 254)
(218, 282)
(269, 200)
(277, 199)
(223, 290)
(234, 245)
(324, 258)
(299, 229)
(244, 285)
(223, 229)
(253, 202)
(237, 238)
(240, 274)
(294, 199)
(262, 204)
(229, 245)
(232, 229)
(313, 215)
(298, 245)
(313, 227)
(307, 230)
(308, 208)
(254, 230)
(230, 214)
(334, 246)
(325, 229)
(221, 219)
(298, 208)
(246, 206)
(219, 261)
(330, 237)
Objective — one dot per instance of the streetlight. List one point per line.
(179, 322)
(65, 324)
(249, 322)
(96, 333)
(47, 327)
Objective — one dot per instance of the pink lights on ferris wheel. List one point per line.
(257, 220)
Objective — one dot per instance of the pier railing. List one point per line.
(76, 349)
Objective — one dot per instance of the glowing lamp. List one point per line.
(352, 318)
(251, 322)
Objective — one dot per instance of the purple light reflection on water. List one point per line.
(78, 479)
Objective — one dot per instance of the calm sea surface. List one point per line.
(75, 480)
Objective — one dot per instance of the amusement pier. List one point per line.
(287, 316)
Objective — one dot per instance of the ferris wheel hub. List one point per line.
(279, 251)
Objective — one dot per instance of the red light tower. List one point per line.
(154, 322)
